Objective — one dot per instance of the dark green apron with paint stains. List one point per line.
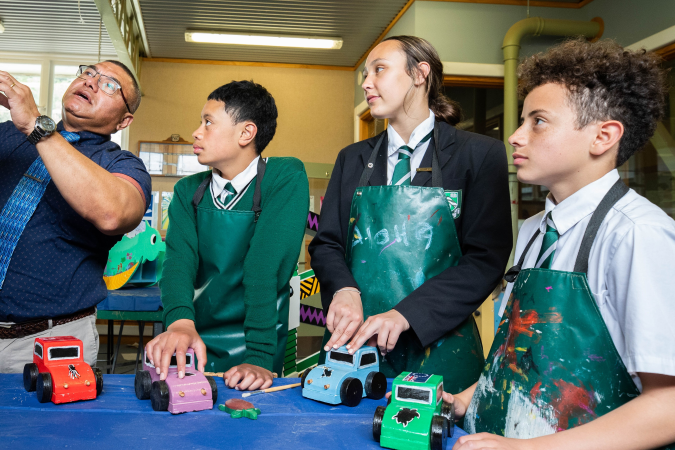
(399, 237)
(553, 364)
(224, 240)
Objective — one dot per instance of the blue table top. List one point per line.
(116, 419)
(134, 299)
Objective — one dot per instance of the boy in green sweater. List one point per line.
(232, 245)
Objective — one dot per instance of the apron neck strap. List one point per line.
(436, 175)
(617, 191)
(256, 194)
(614, 195)
(199, 193)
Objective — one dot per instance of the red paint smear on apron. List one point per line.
(535, 392)
(521, 323)
(573, 401)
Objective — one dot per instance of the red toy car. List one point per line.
(58, 372)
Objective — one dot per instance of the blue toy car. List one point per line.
(346, 378)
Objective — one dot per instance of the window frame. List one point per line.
(48, 63)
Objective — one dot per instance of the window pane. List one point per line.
(650, 171)
(188, 165)
(153, 162)
(63, 76)
(28, 74)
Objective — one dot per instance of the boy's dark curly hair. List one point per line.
(605, 82)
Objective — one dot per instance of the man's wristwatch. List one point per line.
(44, 126)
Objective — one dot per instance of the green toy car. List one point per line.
(416, 417)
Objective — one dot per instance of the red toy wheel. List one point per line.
(377, 422)
(439, 433)
(376, 385)
(351, 391)
(44, 387)
(30, 376)
(159, 396)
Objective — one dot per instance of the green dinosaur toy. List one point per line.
(141, 250)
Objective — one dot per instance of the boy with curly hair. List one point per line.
(584, 355)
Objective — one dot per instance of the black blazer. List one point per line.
(471, 162)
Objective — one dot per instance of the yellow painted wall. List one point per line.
(315, 106)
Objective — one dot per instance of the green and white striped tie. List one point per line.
(548, 245)
(228, 194)
(402, 170)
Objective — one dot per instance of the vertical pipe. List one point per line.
(535, 26)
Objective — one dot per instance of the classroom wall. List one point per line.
(629, 21)
(473, 33)
(315, 111)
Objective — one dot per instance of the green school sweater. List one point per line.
(268, 265)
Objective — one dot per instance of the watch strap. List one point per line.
(35, 136)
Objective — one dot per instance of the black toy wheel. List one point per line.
(448, 411)
(351, 391)
(377, 422)
(439, 433)
(30, 376)
(159, 396)
(376, 385)
(44, 387)
(143, 384)
(214, 389)
(304, 377)
(99, 380)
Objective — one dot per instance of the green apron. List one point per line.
(224, 240)
(553, 364)
(399, 237)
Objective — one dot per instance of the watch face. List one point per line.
(46, 124)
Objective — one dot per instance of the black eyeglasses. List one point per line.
(107, 84)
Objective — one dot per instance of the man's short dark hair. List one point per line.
(134, 99)
(249, 101)
(605, 82)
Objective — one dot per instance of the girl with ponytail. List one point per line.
(415, 226)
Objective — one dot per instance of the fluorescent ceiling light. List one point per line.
(213, 37)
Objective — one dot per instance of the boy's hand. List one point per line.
(381, 330)
(176, 339)
(345, 316)
(248, 377)
(491, 441)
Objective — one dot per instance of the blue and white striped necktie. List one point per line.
(21, 205)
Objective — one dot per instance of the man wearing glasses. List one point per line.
(67, 194)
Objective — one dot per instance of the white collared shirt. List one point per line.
(394, 142)
(630, 270)
(240, 183)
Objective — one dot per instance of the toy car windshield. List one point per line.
(58, 353)
(344, 358)
(413, 394)
(174, 362)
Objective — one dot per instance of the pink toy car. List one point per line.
(195, 392)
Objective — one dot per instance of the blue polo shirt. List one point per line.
(57, 266)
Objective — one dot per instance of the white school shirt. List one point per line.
(630, 270)
(394, 142)
(240, 183)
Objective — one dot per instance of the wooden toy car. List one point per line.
(416, 417)
(58, 372)
(194, 392)
(346, 378)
